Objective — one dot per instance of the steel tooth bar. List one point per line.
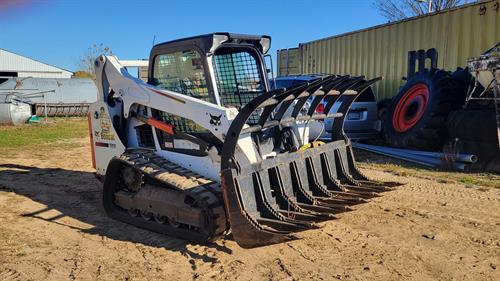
(342, 173)
(285, 199)
(268, 209)
(280, 98)
(342, 87)
(362, 178)
(278, 114)
(264, 183)
(274, 123)
(346, 102)
(247, 232)
(355, 172)
(302, 99)
(316, 174)
(328, 89)
(251, 129)
(296, 192)
(331, 177)
(301, 177)
(268, 102)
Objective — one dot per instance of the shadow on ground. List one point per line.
(77, 194)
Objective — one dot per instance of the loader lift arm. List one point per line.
(131, 91)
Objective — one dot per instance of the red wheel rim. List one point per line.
(410, 108)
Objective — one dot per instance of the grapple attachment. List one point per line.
(288, 188)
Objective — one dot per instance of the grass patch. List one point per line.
(28, 136)
(401, 168)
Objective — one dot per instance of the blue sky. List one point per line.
(59, 31)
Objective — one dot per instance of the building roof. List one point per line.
(12, 62)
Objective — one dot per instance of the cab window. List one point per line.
(181, 72)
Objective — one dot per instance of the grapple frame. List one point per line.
(268, 201)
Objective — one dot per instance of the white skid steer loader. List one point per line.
(205, 147)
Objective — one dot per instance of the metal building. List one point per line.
(15, 65)
(457, 34)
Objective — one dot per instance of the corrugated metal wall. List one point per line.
(457, 34)
(75, 90)
(288, 62)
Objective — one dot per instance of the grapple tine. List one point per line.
(302, 100)
(327, 88)
(280, 97)
(309, 89)
(271, 202)
(346, 99)
(361, 178)
(288, 199)
(342, 87)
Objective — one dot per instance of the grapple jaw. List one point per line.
(271, 196)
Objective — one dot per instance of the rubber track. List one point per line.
(206, 193)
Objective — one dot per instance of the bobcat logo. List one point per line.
(215, 120)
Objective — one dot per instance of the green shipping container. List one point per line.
(457, 34)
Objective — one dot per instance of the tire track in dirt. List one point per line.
(7, 274)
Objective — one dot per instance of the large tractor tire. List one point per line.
(472, 125)
(462, 79)
(417, 116)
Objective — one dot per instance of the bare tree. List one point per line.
(86, 63)
(394, 10)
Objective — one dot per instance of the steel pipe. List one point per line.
(425, 160)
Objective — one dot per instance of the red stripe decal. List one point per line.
(167, 95)
(91, 141)
(101, 144)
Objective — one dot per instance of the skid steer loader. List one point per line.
(205, 147)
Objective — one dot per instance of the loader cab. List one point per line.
(221, 68)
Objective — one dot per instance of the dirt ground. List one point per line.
(52, 227)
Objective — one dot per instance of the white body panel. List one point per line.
(103, 133)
